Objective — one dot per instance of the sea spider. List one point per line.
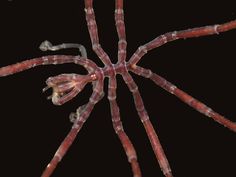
(55, 96)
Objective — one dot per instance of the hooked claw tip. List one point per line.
(45, 45)
(49, 97)
(45, 89)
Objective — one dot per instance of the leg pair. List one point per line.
(186, 98)
(131, 65)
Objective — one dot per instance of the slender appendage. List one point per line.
(62, 150)
(80, 118)
(46, 45)
(183, 34)
(152, 135)
(67, 86)
(118, 127)
(47, 60)
(120, 27)
(186, 98)
(93, 32)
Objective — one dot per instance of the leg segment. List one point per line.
(117, 124)
(183, 34)
(93, 32)
(46, 45)
(197, 105)
(80, 118)
(120, 27)
(47, 60)
(155, 142)
(62, 150)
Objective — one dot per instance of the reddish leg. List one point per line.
(117, 124)
(47, 60)
(183, 34)
(120, 27)
(155, 142)
(93, 32)
(197, 105)
(79, 118)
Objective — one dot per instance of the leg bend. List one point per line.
(47, 60)
(79, 119)
(93, 32)
(46, 45)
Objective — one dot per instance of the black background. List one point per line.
(32, 128)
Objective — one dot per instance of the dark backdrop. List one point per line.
(32, 127)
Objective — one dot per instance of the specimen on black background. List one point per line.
(67, 86)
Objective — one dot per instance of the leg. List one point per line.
(197, 105)
(46, 45)
(120, 27)
(61, 151)
(80, 118)
(155, 142)
(93, 32)
(47, 60)
(183, 34)
(117, 124)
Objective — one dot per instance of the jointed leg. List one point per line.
(197, 105)
(77, 125)
(47, 60)
(117, 124)
(183, 34)
(120, 27)
(155, 142)
(62, 150)
(93, 32)
(46, 45)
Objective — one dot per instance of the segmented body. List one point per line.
(67, 86)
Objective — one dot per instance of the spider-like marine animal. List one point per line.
(67, 86)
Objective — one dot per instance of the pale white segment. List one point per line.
(119, 11)
(122, 41)
(89, 10)
(216, 29)
(164, 38)
(119, 21)
(143, 48)
(172, 89)
(174, 35)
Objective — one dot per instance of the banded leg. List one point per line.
(80, 117)
(183, 34)
(189, 100)
(46, 45)
(47, 60)
(118, 127)
(93, 32)
(120, 27)
(152, 135)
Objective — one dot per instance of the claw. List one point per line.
(66, 86)
(45, 89)
(45, 45)
(72, 117)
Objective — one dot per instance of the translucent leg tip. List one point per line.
(45, 45)
(72, 117)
